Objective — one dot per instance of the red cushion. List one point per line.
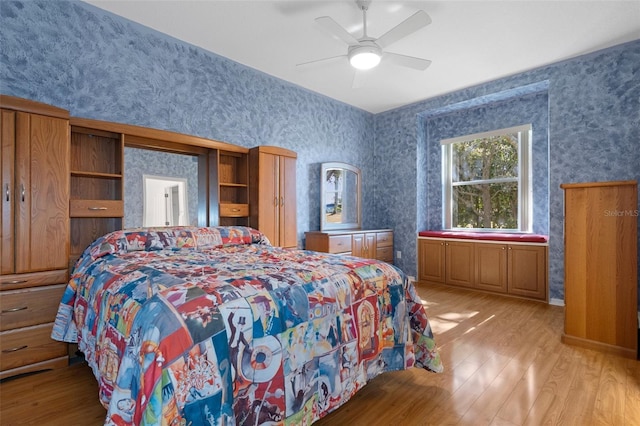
(491, 236)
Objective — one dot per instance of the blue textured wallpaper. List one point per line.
(585, 113)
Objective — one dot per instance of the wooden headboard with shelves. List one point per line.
(97, 177)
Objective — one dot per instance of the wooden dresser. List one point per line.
(35, 233)
(367, 243)
(600, 266)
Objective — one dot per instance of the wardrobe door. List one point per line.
(7, 158)
(41, 193)
(269, 201)
(287, 214)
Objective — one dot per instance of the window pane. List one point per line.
(487, 158)
(493, 206)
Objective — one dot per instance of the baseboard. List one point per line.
(556, 302)
(599, 346)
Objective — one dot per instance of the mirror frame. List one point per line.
(327, 226)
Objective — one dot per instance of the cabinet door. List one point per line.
(431, 260)
(370, 246)
(268, 200)
(287, 196)
(459, 263)
(491, 267)
(357, 245)
(7, 158)
(527, 271)
(42, 190)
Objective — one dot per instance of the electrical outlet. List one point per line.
(399, 254)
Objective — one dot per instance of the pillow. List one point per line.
(174, 238)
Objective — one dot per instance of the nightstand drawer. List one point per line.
(29, 345)
(234, 210)
(340, 244)
(21, 308)
(384, 239)
(96, 208)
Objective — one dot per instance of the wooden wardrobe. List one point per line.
(601, 266)
(272, 186)
(35, 233)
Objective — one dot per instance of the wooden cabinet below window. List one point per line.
(517, 269)
(370, 244)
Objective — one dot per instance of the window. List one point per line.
(487, 181)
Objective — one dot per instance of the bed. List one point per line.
(193, 325)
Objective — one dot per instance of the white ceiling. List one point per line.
(468, 42)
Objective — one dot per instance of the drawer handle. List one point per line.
(22, 192)
(97, 208)
(7, 192)
(20, 308)
(15, 282)
(235, 210)
(19, 348)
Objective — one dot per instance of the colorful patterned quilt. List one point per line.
(194, 326)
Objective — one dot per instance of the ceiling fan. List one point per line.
(366, 52)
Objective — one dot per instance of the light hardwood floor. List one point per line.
(505, 365)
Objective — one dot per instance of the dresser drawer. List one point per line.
(385, 254)
(384, 239)
(21, 308)
(15, 281)
(96, 208)
(29, 345)
(339, 243)
(234, 210)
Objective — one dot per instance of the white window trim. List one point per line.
(525, 183)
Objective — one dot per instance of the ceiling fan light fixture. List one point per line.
(365, 57)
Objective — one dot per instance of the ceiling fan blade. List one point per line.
(418, 20)
(318, 61)
(407, 61)
(337, 31)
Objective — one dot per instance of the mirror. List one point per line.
(340, 203)
(165, 201)
(145, 162)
